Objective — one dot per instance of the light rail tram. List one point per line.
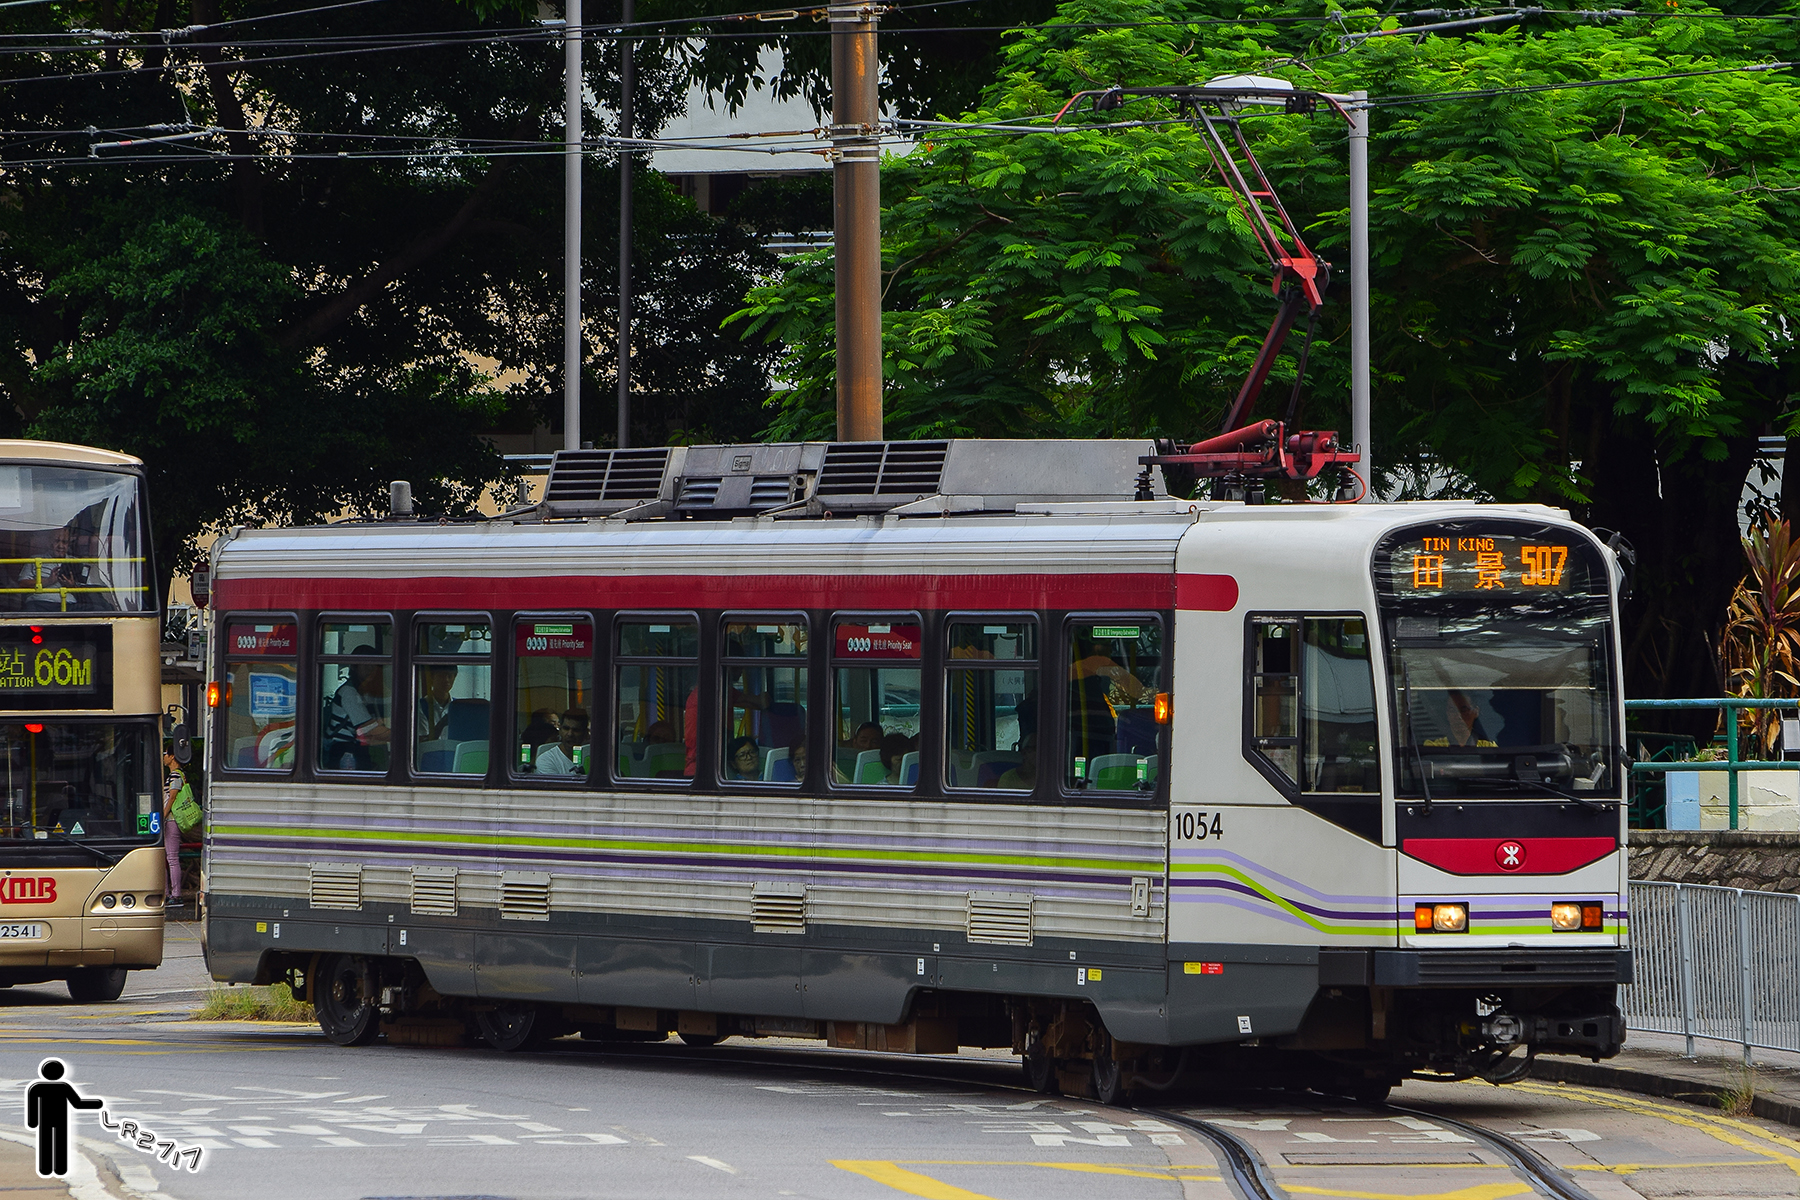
(83, 875)
(913, 746)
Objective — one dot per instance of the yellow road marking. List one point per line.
(902, 1180)
(1718, 1127)
(912, 1183)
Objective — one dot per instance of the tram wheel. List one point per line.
(1109, 1075)
(513, 1027)
(700, 1039)
(1372, 1092)
(1040, 1068)
(96, 985)
(344, 1002)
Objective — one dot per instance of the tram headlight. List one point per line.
(1568, 916)
(128, 900)
(1440, 918)
(107, 901)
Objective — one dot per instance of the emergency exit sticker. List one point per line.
(1203, 968)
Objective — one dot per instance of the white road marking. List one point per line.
(714, 1163)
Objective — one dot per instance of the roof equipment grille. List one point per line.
(882, 468)
(607, 475)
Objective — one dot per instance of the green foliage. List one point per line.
(280, 335)
(1544, 264)
(275, 1003)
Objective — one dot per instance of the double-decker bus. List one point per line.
(82, 866)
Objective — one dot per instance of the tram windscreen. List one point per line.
(71, 540)
(1500, 662)
(81, 780)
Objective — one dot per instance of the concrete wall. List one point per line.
(1765, 862)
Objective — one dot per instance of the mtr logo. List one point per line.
(18, 889)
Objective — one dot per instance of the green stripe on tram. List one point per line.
(1332, 927)
(715, 848)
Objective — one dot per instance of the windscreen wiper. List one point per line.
(1411, 741)
(1587, 802)
(109, 859)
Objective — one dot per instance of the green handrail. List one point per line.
(1732, 764)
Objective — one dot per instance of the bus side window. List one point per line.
(1311, 703)
(656, 702)
(453, 689)
(356, 691)
(553, 696)
(261, 693)
(875, 697)
(992, 739)
(1115, 673)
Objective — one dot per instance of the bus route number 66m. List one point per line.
(1193, 826)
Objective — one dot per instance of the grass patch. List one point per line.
(275, 1003)
(1739, 1094)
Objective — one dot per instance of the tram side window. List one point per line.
(876, 693)
(553, 689)
(991, 735)
(261, 693)
(1115, 672)
(356, 688)
(764, 723)
(1312, 702)
(656, 702)
(453, 689)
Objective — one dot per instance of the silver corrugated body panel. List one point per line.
(1120, 542)
(861, 863)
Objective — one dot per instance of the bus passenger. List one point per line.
(559, 758)
(742, 759)
(352, 722)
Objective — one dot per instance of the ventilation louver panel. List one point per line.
(335, 885)
(882, 468)
(1003, 918)
(434, 891)
(524, 896)
(778, 908)
(773, 491)
(698, 492)
(607, 475)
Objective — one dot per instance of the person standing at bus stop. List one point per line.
(173, 782)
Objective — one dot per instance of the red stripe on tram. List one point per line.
(874, 592)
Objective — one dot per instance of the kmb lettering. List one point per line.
(19, 889)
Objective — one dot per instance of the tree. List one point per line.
(1582, 296)
(320, 292)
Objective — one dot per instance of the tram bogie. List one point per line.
(1320, 794)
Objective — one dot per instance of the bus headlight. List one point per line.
(1440, 918)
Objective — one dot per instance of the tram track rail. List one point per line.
(1245, 1171)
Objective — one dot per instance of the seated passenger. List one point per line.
(559, 759)
(1024, 776)
(1462, 718)
(894, 747)
(867, 737)
(742, 761)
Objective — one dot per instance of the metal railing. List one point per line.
(1716, 963)
(1731, 763)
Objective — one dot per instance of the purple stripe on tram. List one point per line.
(1340, 914)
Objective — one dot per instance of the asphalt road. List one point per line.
(276, 1112)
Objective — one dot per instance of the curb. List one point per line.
(1668, 1087)
(94, 1174)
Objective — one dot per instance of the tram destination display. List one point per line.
(1477, 562)
(55, 667)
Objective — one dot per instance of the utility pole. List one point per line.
(1359, 288)
(625, 85)
(572, 225)
(856, 183)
